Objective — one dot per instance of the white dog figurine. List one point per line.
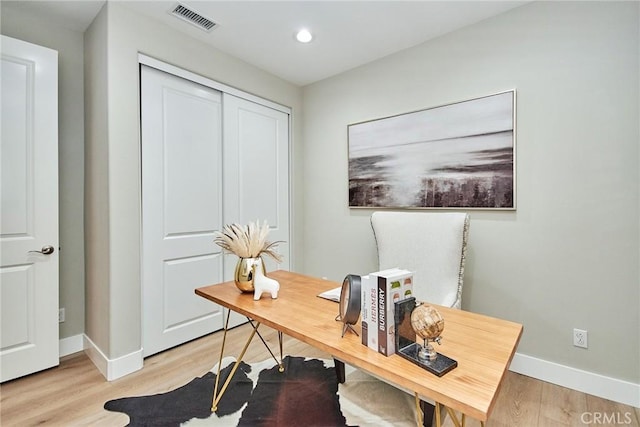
(262, 284)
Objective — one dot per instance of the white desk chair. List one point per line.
(432, 245)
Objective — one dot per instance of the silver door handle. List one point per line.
(46, 250)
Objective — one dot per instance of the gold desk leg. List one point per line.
(281, 368)
(453, 416)
(419, 414)
(216, 396)
(224, 340)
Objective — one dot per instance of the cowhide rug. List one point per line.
(306, 393)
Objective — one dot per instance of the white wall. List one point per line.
(568, 257)
(97, 253)
(39, 30)
(127, 34)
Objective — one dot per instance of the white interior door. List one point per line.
(256, 175)
(181, 208)
(29, 207)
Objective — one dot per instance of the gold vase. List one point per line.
(243, 275)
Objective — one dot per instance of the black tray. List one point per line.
(406, 345)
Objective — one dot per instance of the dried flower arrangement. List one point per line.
(249, 241)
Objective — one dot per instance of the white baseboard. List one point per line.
(614, 389)
(112, 369)
(70, 345)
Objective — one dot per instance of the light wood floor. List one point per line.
(73, 393)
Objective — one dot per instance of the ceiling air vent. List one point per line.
(192, 17)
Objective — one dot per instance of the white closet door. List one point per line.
(256, 174)
(181, 208)
(29, 201)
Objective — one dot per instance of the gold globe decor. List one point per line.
(249, 243)
(428, 324)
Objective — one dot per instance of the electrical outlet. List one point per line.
(580, 338)
(61, 315)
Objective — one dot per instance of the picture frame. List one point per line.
(460, 155)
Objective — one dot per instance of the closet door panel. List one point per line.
(259, 169)
(256, 174)
(181, 208)
(191, 163)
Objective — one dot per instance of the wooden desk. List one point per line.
(482, 345)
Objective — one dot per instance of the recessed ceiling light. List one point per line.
(304, 36)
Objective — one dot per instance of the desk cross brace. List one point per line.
(454, 417)
(217, 395)
(438, 415)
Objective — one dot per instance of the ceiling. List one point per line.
(347, 33)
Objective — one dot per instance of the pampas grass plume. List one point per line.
(249, 241)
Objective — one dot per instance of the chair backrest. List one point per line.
(430, 244)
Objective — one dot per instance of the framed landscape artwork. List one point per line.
(460, 155)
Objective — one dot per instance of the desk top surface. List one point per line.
(483, 346)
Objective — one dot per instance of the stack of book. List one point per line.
(380, 291)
